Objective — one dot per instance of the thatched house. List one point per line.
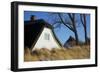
(39, 34)
(70, 42)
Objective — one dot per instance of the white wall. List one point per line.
(5, 36)
(43, 43)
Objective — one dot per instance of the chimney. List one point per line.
(32, 18)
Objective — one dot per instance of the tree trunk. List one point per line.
(75, 30)
(86, 42)
(76, 37)
(84, 25)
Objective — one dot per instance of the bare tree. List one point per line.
(83, 21)
(69, 22)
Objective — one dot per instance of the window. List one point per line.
(46, 36)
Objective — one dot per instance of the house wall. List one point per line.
(49, 44)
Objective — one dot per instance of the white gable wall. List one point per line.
(43, 43)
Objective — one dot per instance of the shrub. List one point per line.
(44, 54)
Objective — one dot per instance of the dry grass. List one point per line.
(77, 52)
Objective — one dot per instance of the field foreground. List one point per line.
(77, 52)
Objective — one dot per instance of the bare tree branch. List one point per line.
(64, 22)
(69, 21)
(81, 19)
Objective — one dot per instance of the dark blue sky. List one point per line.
(62, 33)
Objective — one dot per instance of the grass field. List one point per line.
(77, 52)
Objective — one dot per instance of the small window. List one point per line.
(46, 36)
